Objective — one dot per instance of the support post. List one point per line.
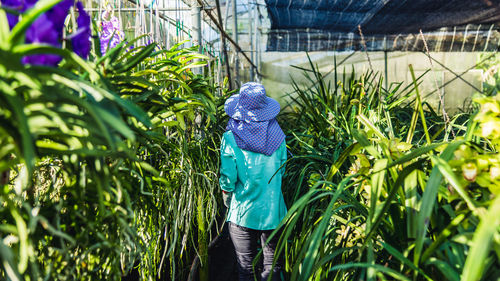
(235, 38)
(252, 43)
(196, 28)
(386, 75)
(221, 29)
(258, 35)
(255, 41)
(385, 71)
(225, 58)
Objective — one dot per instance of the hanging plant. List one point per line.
(111, 32)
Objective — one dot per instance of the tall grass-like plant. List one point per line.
(179, 201)
(325, 113)
(181, 145)
(375, 191)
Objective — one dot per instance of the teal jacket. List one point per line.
(256, 203)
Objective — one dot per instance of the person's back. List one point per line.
(257, 201)
(253, 150)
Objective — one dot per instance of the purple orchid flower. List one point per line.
(111, 34)
(42, 32)
(48, 29)
(81, 39)
(58, 14)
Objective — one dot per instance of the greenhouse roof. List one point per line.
(375, 25)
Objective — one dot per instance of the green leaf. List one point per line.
(22, 230)
(392, 193)
(391, 250)
(429, 198)
(314, 242)
(447, 172)
(27, 142)
(168, 124)
(419, 104)
(363, 140)
(32, 49)
(363, 120)
(180, 119)
(481, 243)
(115, 122)
(413, 154)
(9, 265)
(443, 236)
(394, 274)
(4, 29)
(342, 158)
(131, 108)
(136, 59)
(446, 269)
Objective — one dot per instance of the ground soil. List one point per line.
(222, 259)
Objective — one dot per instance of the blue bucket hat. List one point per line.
(253, 120)
(252, 104)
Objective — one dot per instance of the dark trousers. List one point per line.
(245, 243)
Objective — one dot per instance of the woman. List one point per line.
(252, 151)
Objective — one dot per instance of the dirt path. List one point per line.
(222, 259)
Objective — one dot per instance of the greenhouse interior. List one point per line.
(225, 140)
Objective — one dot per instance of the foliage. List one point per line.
(106, 163)
(108, 166)
(490, 63)
(375, 191)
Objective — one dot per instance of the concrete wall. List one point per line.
(279, 73)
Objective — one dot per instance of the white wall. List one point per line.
(278, 72)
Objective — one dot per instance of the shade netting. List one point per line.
(388, 25)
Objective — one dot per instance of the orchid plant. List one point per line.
(379, 193)
(475, 165)
(89, 149)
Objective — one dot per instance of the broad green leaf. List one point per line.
(447, 172)
(446, 269)
(32, 49)
(4, 29)
(180, 119)
(136, 59)
(115, 122)
(481, 243)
